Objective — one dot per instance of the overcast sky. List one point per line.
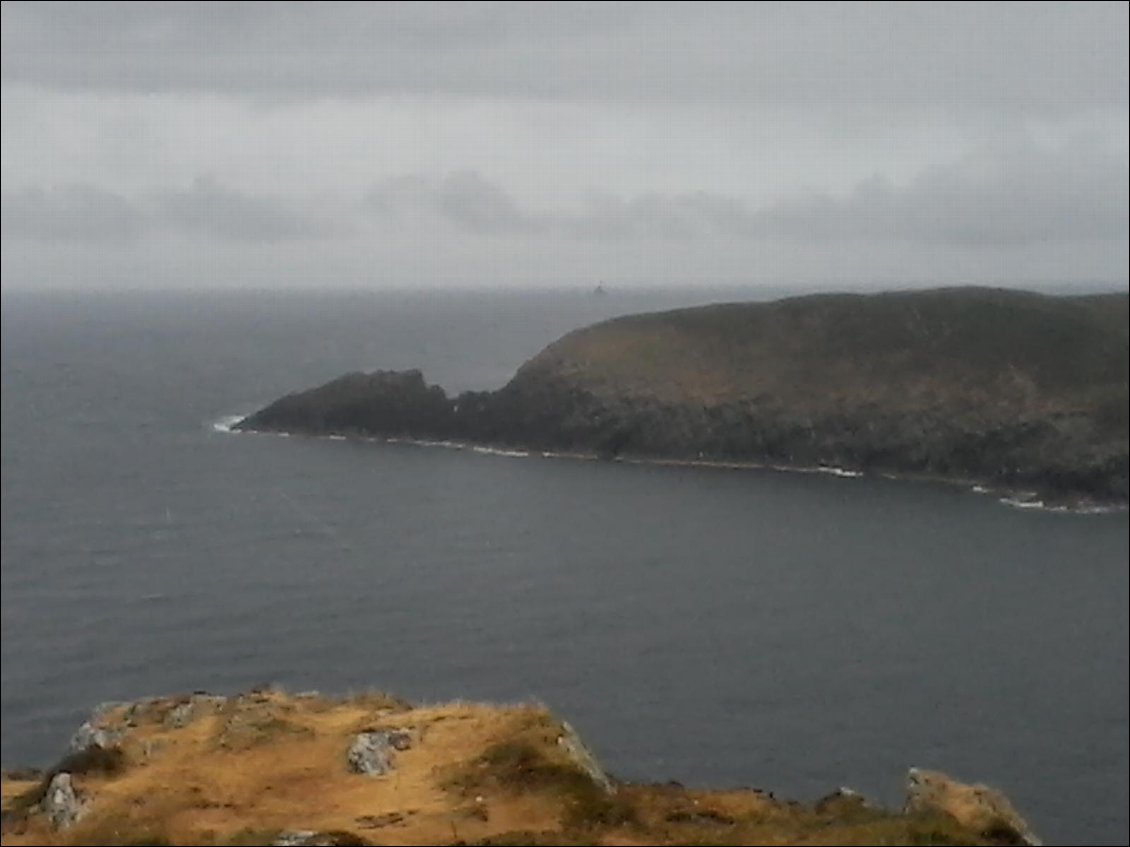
(409, 145)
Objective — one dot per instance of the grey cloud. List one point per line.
(478, 206)
(87, 213)
(1004, 198)
(397, 196)
(655, 215)
(463, 199)
(77, 212)
(1010, 57)
(212, 209)
(1009, 197)
(483, 207)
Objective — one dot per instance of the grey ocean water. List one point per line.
(790, 632)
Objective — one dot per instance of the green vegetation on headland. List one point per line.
(1008, 389)
(272, 768)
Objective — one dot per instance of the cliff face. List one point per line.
(271, 768)
(1002, 387)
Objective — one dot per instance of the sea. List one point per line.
(719, 627)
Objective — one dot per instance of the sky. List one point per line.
(418, 145)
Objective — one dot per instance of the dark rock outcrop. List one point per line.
(391, 403)
(1009, 389)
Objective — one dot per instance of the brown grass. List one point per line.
(267, 763)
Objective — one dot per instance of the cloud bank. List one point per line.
(441, 144)
(1006, 198)
(81, 212)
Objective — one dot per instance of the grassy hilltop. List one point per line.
(820, 353)
(271, 768)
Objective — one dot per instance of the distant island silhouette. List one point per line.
(1022, 392)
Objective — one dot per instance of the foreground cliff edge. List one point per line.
(272, 768)
(1011, 390)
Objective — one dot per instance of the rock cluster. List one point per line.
(371, 753)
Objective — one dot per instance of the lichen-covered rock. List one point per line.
(371, 752)
(301, 838)
(187, 711)
(978, 807)
(61, 803)
(89, 735)
(309, 838)
(141, 711)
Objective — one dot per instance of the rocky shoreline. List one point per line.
(1008, 392)
(959, 385)
(1025, 499)
(267, 767)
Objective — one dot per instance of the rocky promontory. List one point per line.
(269, 767)
(1007, 389)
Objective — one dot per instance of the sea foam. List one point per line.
(227, 423)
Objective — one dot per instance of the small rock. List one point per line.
(139, 710)
(978, 807)
(309, 838)
(294, 839)
(60, 803)
(88, 735)
(179, 715)
(371, 752)
(399, 739)
(185, 713)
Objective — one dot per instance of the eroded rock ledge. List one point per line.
(1007, 389)
(272, 768)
